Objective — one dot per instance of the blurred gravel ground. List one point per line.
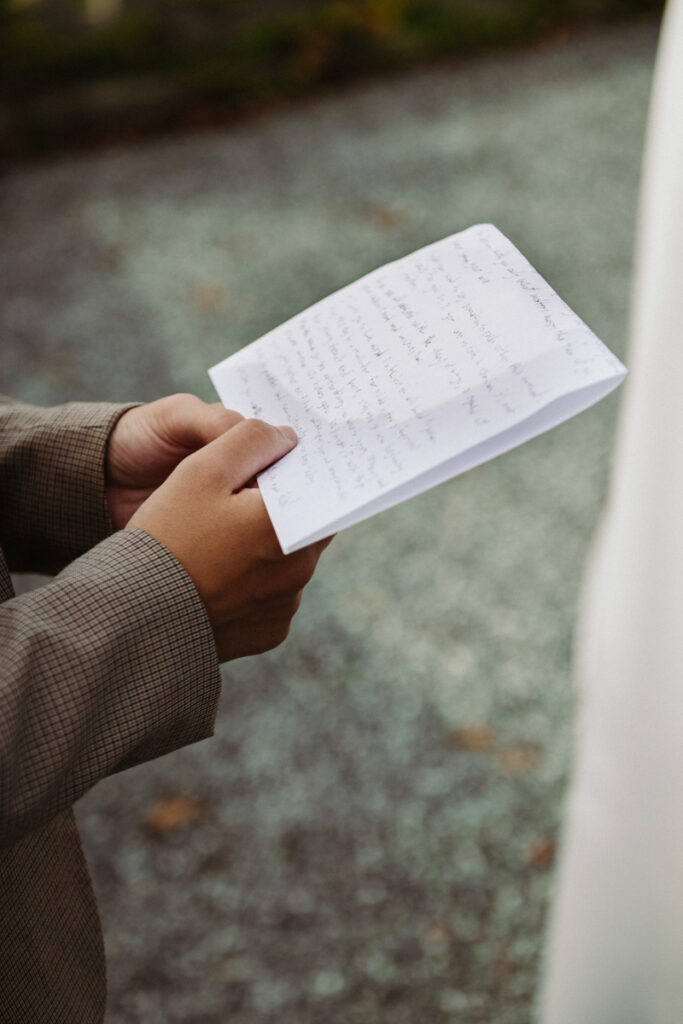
(370, 836)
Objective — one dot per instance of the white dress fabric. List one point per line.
(615, 947)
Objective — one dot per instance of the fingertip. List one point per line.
(290, 435)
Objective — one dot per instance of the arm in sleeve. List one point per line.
(52, 496)
(111, 663)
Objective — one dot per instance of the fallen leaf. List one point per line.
(438, 933)
(385, 218)
(473, 737)
(209, 297)
(518, 760)
(542, 853)
(173, 813)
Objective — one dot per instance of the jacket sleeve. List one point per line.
(52, 497)
(111, 663)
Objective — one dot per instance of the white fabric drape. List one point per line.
(615, 948)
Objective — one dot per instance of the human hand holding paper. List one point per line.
(413, 374)
(216, 526)
(149, 441)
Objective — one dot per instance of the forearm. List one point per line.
(52, 497)
(110, 664)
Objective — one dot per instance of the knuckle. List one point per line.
(282, 633)
(178, 408)
(185, 401)
(276, 634)
(288, 579)
(305, 567)
(305, 574)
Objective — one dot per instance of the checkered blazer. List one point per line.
(109, 664)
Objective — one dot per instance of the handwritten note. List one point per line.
(416, 372)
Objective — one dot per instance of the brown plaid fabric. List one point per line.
(109, 664)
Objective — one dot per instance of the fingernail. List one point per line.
(289, 433)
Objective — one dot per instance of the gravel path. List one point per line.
(370, 835)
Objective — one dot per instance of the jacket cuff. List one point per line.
(53, 474)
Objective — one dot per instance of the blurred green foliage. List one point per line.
(78, 70)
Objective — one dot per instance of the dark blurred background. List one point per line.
(79, 71)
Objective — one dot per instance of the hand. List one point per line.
(218, 529)
(149, 441)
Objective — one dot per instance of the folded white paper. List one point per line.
(411, 375)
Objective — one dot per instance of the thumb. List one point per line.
(242, 452)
